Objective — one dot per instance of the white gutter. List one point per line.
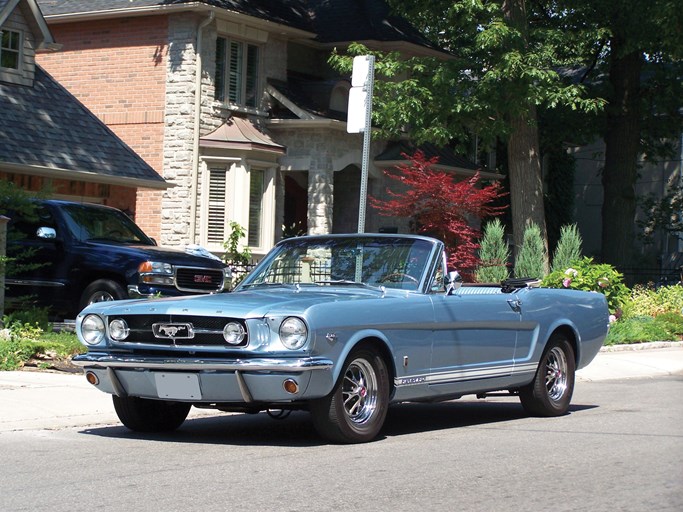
(197, 119)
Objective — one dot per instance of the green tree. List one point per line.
(568, 248)
(531, 259)
(494, 254)
(630, 52)
(500, 70)
(608, 69)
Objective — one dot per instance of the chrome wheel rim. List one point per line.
(556, 374)
(101, 297)
(359, 391)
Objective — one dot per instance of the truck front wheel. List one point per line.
(100, 291)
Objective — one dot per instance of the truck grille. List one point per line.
(202, 280)
(208, 331)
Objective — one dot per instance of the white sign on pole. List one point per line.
(361, 70)
(358, 95)
(355, 121)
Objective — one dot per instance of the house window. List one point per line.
(216, 217)
(256, 190)
(9, 49)
(242, 194)
(237, 76)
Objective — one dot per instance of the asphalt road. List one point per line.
(620, 449)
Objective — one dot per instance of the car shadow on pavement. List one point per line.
(297, 428)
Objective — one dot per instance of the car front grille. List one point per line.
(201, 280)
(207, 331)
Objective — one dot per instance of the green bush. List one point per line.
(21, 342)
(493, 254)
(654, 302)
(596, 277)
(532, 256)
(644, 329)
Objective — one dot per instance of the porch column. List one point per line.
(320, 201)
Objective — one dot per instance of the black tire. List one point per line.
(550, 393)
(144, 415)
(356, 409)
(102, 290)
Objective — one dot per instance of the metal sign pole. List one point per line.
(368, 87)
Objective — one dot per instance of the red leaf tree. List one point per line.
(442, 207)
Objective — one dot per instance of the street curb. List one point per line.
(641, 346)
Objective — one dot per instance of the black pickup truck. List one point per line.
(87, 253)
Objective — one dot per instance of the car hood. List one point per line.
(243, 304)
(154, 252)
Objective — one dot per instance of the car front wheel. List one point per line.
(102, 290)
(144, 415)
(550, 393)
(355, 410)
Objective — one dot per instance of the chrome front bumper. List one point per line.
(99, 360)
(219, 380)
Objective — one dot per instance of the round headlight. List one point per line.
(293, 333)
(118, 329)
(234, 333)
(92, 329)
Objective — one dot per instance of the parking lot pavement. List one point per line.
(37, 400)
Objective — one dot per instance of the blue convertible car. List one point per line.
(342, 326)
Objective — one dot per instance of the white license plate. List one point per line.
(178, 386)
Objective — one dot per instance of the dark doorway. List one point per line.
(296, 204)
(346, 200)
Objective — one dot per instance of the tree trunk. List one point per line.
(524, 161)
(622, 146)
(526, 179)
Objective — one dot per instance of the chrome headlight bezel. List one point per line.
(93, 330)
(234, 333)
(118, 329)
(293, 333)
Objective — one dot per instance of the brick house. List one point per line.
(233, 103)
(48, 139)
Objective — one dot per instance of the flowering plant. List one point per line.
(588, 276)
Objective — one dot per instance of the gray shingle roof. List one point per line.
(338, 21)
(45, 126)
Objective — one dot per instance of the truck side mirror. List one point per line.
(46, 233)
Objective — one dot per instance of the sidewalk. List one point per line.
(34, 400)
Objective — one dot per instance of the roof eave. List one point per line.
(245, 146)
(403, 47)
(307, 123)
(82, 175)
(199, 7)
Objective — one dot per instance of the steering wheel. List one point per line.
(398, 277)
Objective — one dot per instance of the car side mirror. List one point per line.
(46, 233)
(454, 282)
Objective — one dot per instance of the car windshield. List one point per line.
(392, 262)
(107, 224)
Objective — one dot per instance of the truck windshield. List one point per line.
(88, 222)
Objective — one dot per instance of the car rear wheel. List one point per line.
(102, 290)
(144, 415)
(550, 393)
(355, 410)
